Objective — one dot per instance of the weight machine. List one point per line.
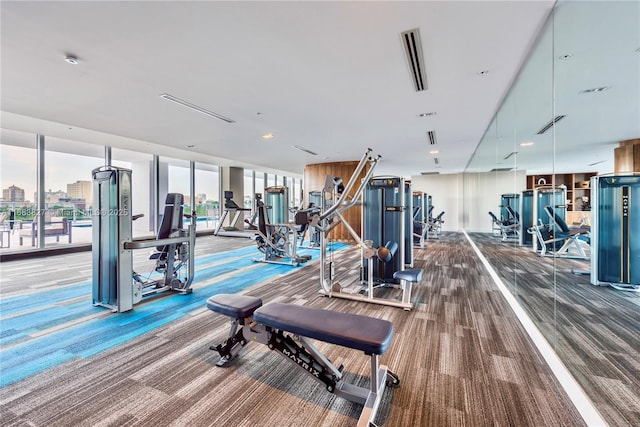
(533, 216)
(420, 218)
(277, 238)
(115, 284)
(330, 217)
(615, 255)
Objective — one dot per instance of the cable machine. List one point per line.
(115, 284)
(615, 218)
(533, 215)
(384, 222)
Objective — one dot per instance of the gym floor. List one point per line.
(461, 355)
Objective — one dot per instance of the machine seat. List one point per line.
(413, 275)
(368, 334)
(234, 306)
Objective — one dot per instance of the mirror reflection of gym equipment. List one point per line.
(615, 255)
(239, 226)
(534, 219)
(115, 284)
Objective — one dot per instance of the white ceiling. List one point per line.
(327, 76)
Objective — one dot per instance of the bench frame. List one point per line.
(308, 358)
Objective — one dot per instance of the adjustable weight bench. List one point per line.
(276, 324)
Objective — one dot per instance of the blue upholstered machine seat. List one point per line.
(234, 306)
(368, 334)
(413, 275)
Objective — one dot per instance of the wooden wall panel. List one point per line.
(627, 156)
(314, 178)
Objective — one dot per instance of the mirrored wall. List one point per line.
(575, 99)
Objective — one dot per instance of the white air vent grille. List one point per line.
(413, 52)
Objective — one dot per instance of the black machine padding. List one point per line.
(371, 335)
(234, 306)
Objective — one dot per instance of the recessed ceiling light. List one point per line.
(595, 90)
(71, 59)
(565, 56)
(268, 136)
(434, 152)
(483, 72)
(432, 113)
(527, 144)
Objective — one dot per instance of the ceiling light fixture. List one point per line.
(434, 152)
(268, 136)
(195, 107)
(71, 59)
(595, 90)
(527, 144)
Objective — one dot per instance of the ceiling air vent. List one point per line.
(195, 107)
(432, 137)
(413, 51)
(429, 173)
(510, 154)
(548, 126)
(501, 170)
(436, 160)
(297, 147)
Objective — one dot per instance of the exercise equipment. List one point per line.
(532, 213)
(277, 238)
(507, 229)
(313, 208)
(558, 240)
(232, 230)
(509, 208)
(384, 220)
(419, 220)
(115, 284)
(615, 237)
(434, 226)
(288, 330)
(331, 216)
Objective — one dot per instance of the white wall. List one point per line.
(467, 198)
(446, 195)
(482, 194)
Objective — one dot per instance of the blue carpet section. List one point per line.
(23, 318)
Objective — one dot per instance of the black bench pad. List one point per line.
(364, 333)
(413, 275)
(232, 305)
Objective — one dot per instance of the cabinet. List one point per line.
(578, 189)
